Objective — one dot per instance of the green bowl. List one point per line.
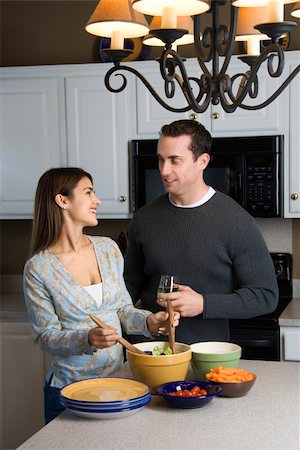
(209, 355)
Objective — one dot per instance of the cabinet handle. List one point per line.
(122, 198)
(193, 116)
(215, 115)
(294, 196)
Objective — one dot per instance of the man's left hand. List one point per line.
(186, 301)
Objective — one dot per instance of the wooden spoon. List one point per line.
(171, 329)
(121, 340)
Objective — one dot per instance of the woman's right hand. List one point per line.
(103, 337)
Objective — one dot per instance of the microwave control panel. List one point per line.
(261, 185)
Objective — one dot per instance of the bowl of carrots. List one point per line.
(188, 394)
(233, 381)
(212, 354)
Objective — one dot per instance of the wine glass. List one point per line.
(168, 283)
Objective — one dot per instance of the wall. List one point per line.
(52, 32)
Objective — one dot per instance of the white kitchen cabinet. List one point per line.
(55, 116)
(292, 157)
(151, 115)
(22, 378)
(290, 343)
(97, 136)
(30, 137)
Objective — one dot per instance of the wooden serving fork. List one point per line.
(121, 340)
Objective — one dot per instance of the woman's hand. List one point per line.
(158, 322)
(186, 301)
(103, 337)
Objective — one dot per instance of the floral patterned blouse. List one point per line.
(59, 308)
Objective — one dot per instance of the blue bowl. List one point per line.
(188, 402)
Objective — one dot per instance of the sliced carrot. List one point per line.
(229, 375)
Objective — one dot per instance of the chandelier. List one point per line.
(250, 21)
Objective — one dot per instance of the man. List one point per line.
(202, 236)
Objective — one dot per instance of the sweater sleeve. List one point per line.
(256, 291)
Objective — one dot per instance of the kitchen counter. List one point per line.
(266, 418)
(291, 315)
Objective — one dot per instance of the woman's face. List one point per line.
(82, 205)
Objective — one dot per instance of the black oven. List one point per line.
(259, 337)
(248, 169)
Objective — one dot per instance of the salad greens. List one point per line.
(157, 350)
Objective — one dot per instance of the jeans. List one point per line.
(52, 405)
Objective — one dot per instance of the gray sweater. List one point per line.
(216, 249)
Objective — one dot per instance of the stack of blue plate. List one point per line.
(105, 398)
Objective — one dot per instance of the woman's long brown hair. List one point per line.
(48, 216)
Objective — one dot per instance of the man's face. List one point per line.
(180, 173)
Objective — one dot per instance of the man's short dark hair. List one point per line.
(200, 137)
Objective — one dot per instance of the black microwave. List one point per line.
(248, 169)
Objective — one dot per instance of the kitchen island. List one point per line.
(267, 418)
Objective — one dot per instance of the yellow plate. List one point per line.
(105, 390)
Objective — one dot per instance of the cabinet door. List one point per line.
(290, 343)
(292, 198)
(258, 121)
(29, 140)
(22, 380)
(97, 135)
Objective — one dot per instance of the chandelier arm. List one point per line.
(252, 90)
(276, 93)
(237, 101)
(205, 88)
(201, 57)
(192, 101)
(231, 39)
(144, 81)
(269, 53)
(226, 86)
(250, 77)
(167, 69)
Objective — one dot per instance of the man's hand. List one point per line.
(186, 301)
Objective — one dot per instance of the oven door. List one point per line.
(257, 341)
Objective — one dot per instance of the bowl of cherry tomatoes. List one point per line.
(188, 394)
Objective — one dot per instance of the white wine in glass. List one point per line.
(168, 283)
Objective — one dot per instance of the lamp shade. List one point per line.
(183, 22)
(247, 18)
(275, 8)
(182, 7)
(296, 10)
(252, 3)
(249, 3)
(117, 16)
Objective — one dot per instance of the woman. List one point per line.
(71, 275)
